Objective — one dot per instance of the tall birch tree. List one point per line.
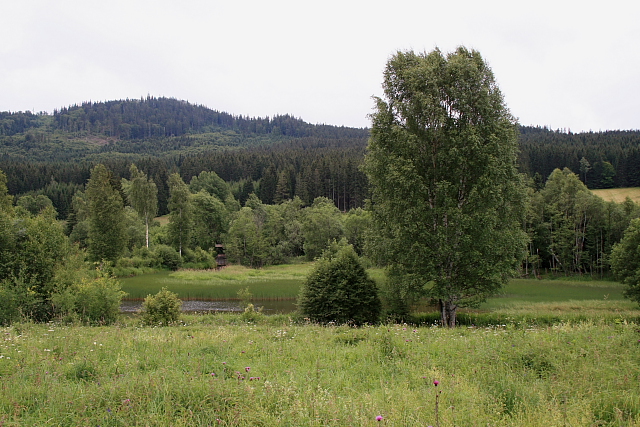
(447, 199)
(179, 212)
(106, 234)
(142, 193)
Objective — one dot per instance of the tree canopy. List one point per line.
(447, 196)
(107, 237)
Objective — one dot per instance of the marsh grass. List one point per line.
(284, 281)
(275, 282)
(195, 374)
(540, 291)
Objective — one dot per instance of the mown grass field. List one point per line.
(619, 195)
(218, 370)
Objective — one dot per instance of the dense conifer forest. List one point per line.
(277, 158)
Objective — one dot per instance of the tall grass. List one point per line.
(218, 370)
(276, 282)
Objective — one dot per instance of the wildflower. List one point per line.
(247, 369)
(379, 418)
(436, 382)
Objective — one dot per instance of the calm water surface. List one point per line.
(269, 307)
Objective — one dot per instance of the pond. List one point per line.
(199, 306)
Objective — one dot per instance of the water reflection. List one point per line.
(268, 306)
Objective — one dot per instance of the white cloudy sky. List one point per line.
(562, 64)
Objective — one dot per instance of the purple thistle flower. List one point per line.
(436, 382)
(379, 418)
(247, 369)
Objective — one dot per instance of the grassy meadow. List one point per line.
(544, 353)
(220, 370)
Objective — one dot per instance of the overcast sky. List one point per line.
(561, 64)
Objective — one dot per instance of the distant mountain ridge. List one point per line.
(152, 117)
(38, 148)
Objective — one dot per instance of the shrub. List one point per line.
(167, 257)
(92, 301)
(162, 308)
(340, 290)
(198, 259)
(9, 305)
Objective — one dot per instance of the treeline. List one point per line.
(304, 167)
(275, 158)
(602, 159)
(44, 271)
(571, 230)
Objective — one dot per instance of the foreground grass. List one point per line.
(217, 370)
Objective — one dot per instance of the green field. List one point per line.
(284, 281)
(217, 370)
(543, 353)
(275, 282)
(619, 195)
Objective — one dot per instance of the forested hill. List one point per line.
(52, 154)
(276, 157)
(158, 118)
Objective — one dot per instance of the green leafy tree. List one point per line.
(211, 183)
(447, 198)
(33, 250)
(321, 224)
(625, 261)
(134, 229)
(608, 174)
(585, 167)
(245, 241)
(210, 219)
(292, 242)
(106, 233)
(34, 204)
(78, 221)
(94, 301)
(142, 194)
(569, 209)
(339, 290)
(357, 222)
(179, 212)
(6, 200)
